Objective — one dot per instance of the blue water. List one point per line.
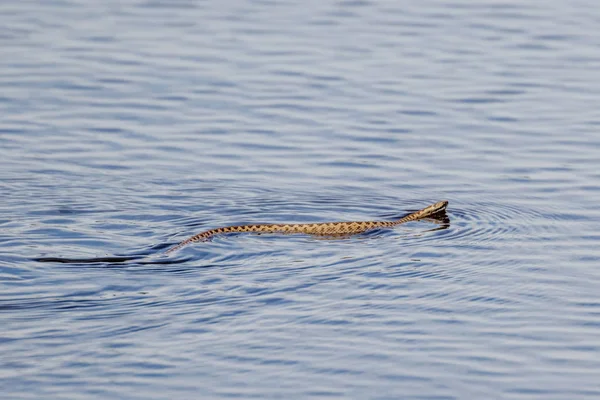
(127, 126)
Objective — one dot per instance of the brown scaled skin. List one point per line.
(323, 228)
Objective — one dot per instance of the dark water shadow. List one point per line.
(153, 255)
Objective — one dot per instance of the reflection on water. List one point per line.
(127, 127)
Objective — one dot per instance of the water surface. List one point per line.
(128, 126)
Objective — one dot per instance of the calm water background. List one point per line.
(126, 126)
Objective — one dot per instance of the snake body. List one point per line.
(323, 228)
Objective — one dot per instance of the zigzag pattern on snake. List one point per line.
(323, 228)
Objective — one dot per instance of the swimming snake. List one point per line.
(323, 228)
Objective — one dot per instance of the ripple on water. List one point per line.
(480, 222)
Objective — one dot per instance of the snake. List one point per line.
(320, 229)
